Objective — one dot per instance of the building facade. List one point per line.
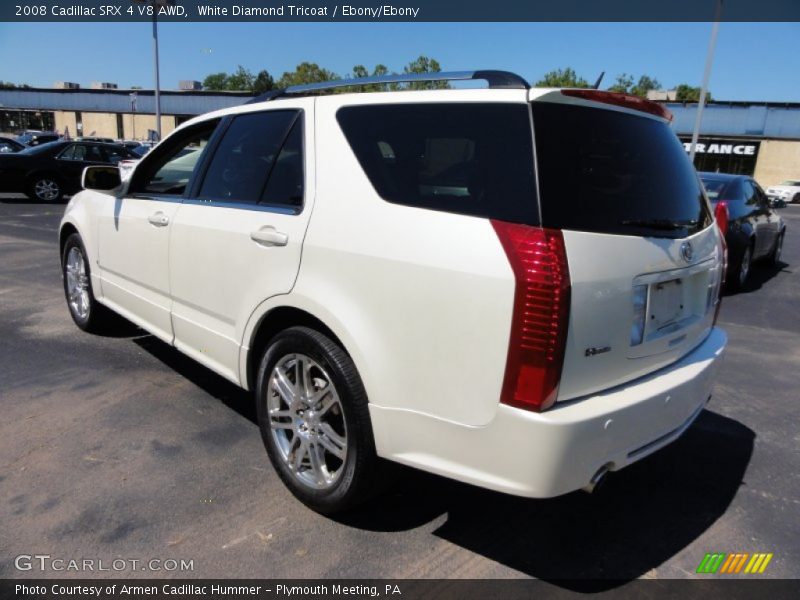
(106, 112)
(761, 139)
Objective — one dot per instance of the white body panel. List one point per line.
(133, 260)
(219, 274)
(422, 301)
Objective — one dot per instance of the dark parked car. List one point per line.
(9, 145)
(36, 138)
(48, 171)
(752, 229)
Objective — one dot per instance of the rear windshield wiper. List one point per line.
(668, 224)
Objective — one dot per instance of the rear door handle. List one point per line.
(158, 219)
(267, 236)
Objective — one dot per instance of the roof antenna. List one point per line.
(599, 79)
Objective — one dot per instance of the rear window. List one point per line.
(473, 159)
(606, 171)
(715, 188)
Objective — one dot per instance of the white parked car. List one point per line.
(788, 191)
(400, 276)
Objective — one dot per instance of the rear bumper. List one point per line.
(548, 454)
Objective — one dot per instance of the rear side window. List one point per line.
(606, 171)
(245, 157)
(472, 159)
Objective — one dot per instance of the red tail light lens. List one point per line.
(624, 100)
(722, 216)
(541, 314)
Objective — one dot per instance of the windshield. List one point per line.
(607, 171)
(791, 182)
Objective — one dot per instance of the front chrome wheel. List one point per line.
(307, 422)
(47, 189)
(77, 281)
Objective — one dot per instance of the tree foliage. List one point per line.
(562, 78)
(625, 83)
(688, 93)
(308, 72)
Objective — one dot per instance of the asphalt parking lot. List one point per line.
(119, 447)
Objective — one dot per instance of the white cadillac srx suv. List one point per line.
(515, 288)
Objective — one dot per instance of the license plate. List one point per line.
(666, 306)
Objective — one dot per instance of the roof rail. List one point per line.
(495, 79)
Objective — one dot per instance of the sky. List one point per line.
(753, 61)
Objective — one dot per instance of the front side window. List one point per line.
(246, 156)
(69, 152)
(114, 154)
(468, 158)
(169, 167)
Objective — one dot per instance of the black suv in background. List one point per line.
(48, 171)
(752, 229)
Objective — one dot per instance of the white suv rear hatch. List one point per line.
(644, 257)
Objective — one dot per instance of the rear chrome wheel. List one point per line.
(307, 421)
(314, 419)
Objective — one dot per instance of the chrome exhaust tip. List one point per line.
(597, 481)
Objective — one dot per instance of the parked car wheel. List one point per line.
(87, 313)
(775, 257)
(312, 411)
(45, 188)
(743, 272)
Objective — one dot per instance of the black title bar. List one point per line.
(396, 10)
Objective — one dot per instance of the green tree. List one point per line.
(562, 78)
(263, 82)
(240, 81)
(423, 64)
(688, 93)
(216, 81)
(362, 71)
(306, 72)
(622, 83)
(644, 85)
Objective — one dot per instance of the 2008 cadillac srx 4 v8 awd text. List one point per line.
(512, 287)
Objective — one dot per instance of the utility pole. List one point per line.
(706, 76)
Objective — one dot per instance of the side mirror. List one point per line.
(100, 179)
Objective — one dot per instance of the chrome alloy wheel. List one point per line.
(778, 248)
(744, 270)
(46, 189)
(77, 283)
(307, 421)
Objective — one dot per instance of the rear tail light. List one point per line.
(624, 100)
(722, 216)
(538, 259)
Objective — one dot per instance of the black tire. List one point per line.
(775, 255)
(97, 318)
(796, 199)
(45, 187)
(356, 476)
(742, 274)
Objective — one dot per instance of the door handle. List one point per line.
(158, 219)
(267, 236)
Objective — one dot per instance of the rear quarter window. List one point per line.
(470, 158)
(607, 171)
